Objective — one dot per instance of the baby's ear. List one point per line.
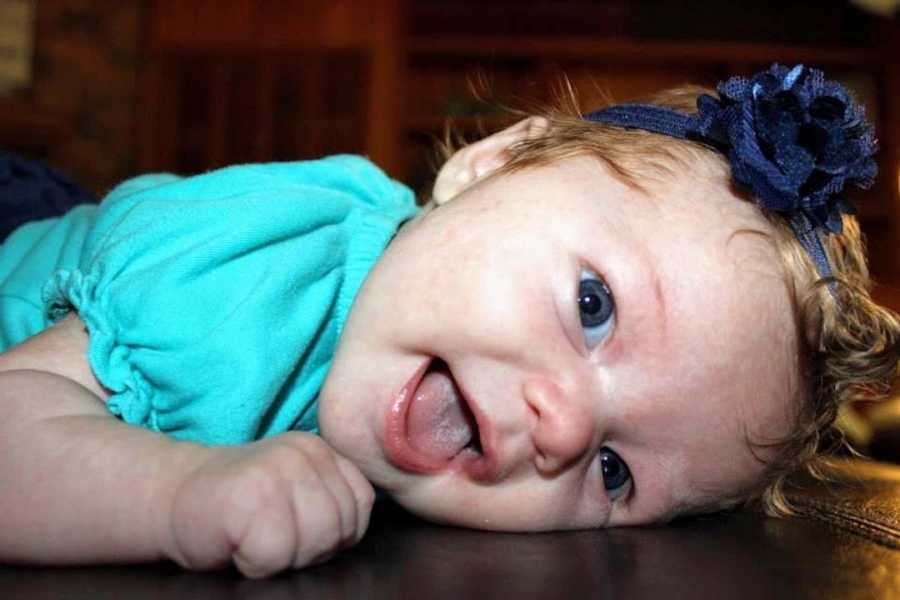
(476, 160)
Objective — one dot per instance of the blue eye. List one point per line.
(616, 476)
(596, 308)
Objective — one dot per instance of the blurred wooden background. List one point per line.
(128, 86)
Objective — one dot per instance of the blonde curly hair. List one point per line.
(849, 345)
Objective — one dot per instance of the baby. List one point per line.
(599, 320)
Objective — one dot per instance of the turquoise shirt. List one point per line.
(213, 303)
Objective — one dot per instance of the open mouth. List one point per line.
(432, 427)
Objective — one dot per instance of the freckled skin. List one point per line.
(702, 350)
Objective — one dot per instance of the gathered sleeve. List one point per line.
(214, 303)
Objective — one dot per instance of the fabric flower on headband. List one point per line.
(792, 137)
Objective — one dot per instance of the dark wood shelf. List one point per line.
(640, 51)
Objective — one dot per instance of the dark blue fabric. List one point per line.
(794, 139)
(811, 240)
(647, 117)
(30, 190)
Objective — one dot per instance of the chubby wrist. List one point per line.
(174, 468)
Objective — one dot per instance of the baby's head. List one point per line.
(592, 325)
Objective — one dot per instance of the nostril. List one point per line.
(564, 427)
(549, 465)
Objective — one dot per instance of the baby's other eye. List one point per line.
(596, 308)
(616, 476)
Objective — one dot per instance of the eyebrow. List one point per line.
(649, 275)
(661, 312)
(648, 283)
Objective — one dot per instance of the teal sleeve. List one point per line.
(214, 303)
(27, 257)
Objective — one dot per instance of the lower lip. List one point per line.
(396, 444)
(399, 452)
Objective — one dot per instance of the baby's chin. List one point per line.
(482, 522)
(482, 513)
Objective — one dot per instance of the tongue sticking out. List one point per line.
(439, 423)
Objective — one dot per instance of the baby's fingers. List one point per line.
(363, 497)
(270, 539)
(345, 500)
(291, 515)
(298, 502)
(318, 523)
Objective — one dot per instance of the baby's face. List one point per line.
(553, 350)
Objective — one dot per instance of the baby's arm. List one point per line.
(79, 486)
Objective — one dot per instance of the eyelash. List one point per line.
(597, 316)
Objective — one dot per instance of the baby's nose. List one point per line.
(564, 428)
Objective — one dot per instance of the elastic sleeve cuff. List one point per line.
(109, 358)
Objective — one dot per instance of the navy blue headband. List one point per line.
(793, 138)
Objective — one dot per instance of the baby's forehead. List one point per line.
(730, 313)
(702, 196)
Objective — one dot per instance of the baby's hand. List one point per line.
(280, 503)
